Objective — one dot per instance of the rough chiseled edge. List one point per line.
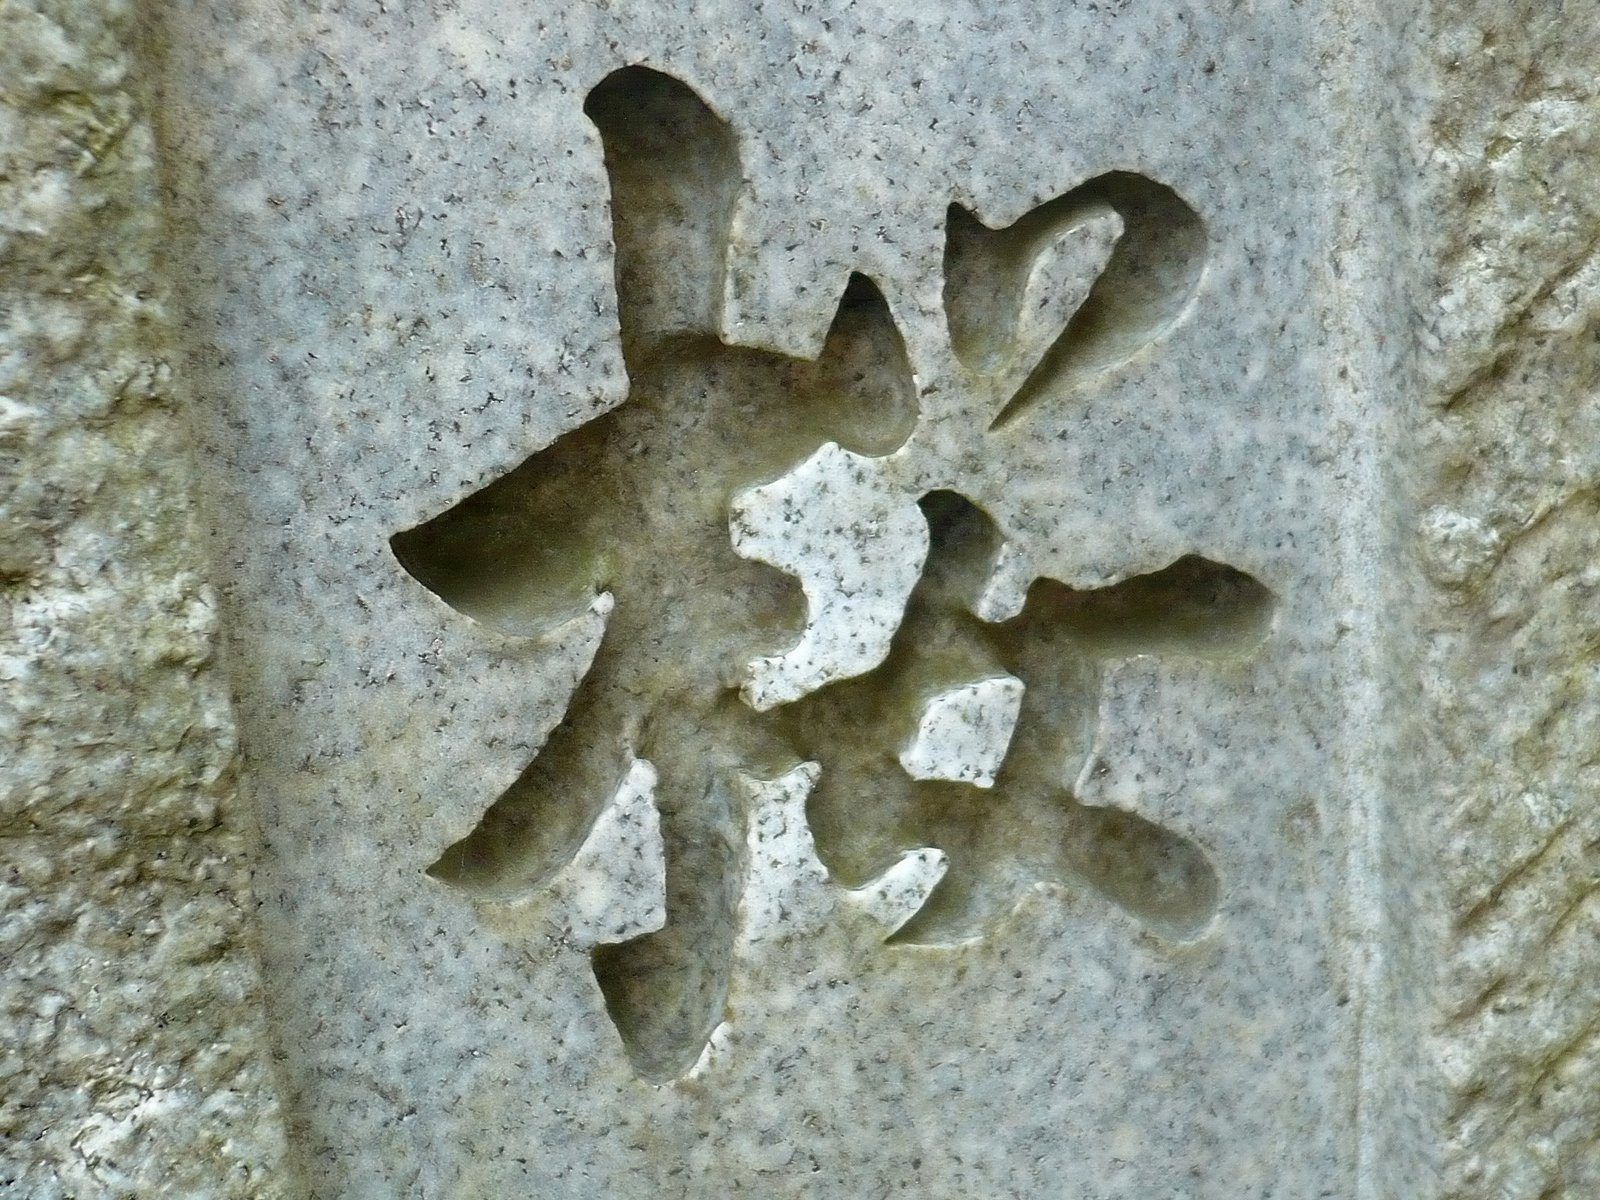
(1506, 536)
(131, 998)
(790, 894)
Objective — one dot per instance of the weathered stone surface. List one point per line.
(130, 1009)
(1038, 347)
(1508, 533)
(602, 859)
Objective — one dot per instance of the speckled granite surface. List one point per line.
(1135, 964)
(820, 603)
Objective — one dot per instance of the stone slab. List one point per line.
(494, 316)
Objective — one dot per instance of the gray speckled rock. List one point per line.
(1135, 964)
(821, 602)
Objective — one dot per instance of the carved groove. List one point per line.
(635, 505)
(1142, 291)
(1029, 827)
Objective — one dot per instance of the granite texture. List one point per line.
(821, 603)
(134, 1060)
(499, 316)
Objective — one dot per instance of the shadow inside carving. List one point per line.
(1029, 826)
(636, 504)
(1142, 290)
(665, 991)
(673, 169)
